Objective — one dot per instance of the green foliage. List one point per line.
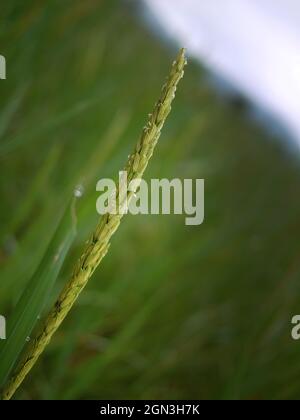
(175, 311)
(31, 304)
(95, 250)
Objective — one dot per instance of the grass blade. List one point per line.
(32, 302)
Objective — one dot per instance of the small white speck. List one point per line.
(78, 191)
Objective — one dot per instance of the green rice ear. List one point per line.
(99, 242)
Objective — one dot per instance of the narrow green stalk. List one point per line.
(99, 242)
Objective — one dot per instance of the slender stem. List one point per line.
(99, 242)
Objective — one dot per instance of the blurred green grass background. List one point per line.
(174, 311)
